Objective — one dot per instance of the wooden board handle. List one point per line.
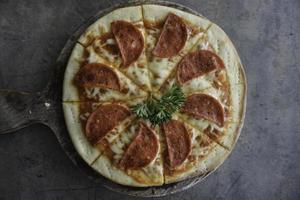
(21, 109)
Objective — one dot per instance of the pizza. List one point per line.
(134, 57)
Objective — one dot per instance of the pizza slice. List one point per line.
(188, 152)
(90, 78)
(133, 158)
(119, 38)
(170, 34)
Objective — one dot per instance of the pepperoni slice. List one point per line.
(196, 64)
(97, 75)
(178, 142)
(142, 151)
(129, 39)
(172, 37)
(103, 120)
(204, 106)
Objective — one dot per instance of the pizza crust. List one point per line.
(227, 52)
(104, 166)
(106, 169)
(70, 92)
(77, 135)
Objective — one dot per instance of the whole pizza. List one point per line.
(153, 95)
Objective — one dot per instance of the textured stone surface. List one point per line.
(266, 161)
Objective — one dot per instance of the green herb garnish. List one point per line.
(160, 110)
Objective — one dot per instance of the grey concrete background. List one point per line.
(266, 161)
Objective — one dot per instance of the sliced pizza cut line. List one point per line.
(150, 73)
(109, 162)
(92, 163)
(130, 101)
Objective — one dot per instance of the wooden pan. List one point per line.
(21, 109)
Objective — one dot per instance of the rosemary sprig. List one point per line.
(160, 110)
